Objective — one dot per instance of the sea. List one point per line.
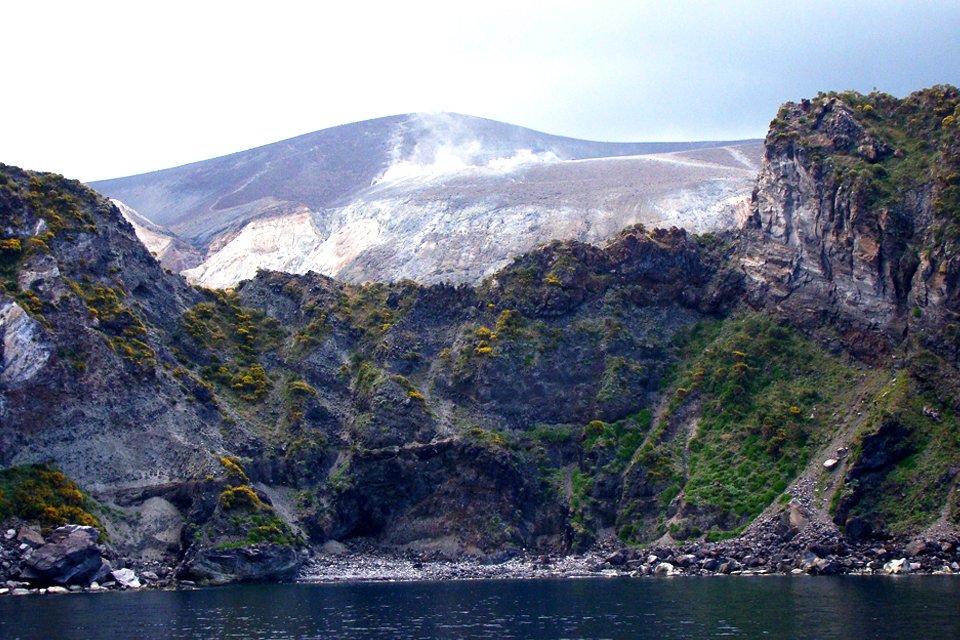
(782, 607)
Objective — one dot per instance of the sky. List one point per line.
(97, 89)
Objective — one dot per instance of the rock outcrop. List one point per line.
(70, 555)
(255, 563)
(852, 223)
(23, 353)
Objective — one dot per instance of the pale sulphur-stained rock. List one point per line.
(24, 353)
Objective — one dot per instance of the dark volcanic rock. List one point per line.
(254, 563)
(70, 556)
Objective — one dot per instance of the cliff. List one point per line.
(661, 386)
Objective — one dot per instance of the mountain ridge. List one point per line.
(370, 200)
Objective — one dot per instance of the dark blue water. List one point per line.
(689, 608)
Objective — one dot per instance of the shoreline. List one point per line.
(391, 569)
(815, 549)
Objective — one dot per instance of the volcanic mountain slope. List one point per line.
(661, 386)
(431, 197)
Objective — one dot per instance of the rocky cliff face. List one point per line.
(853, 220)
(660, 386)
(853, 237)
(86, 313)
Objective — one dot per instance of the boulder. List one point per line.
(618, 558)
(895, 567)
(333, 548)
(256, 563)
(824, 567)
(729, 566)
(915, 548)
(126, 578)
(687, 560)
(664, 569)
(30, 536)
(70, 556)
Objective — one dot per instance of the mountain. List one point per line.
(429, 197)
(780, 397)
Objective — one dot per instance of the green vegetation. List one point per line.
(235, 475)
(515, 341)
(296, 395)
(43, 494)
(580, 503)
(765, 400)
(123, 329)
(767, 396)
(618, 440)
(261, 528)
(909, 493)
(619, 377)
(247, 514)
(490, 438)
(371, 310)
(225, 339)
(62, 205)
(916, 144)
(225, 326)
(242, 497)
(315, 330)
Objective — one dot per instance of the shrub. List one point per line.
(44, 494)
(235, 474)
(251, 384)
(299, 388)
(242, 497)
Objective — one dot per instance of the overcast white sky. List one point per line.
(104, 89)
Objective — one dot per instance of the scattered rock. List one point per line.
(824, 567)
(617, 558)
(729, 566)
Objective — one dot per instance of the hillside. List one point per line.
(429, 197)
(792, 386)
